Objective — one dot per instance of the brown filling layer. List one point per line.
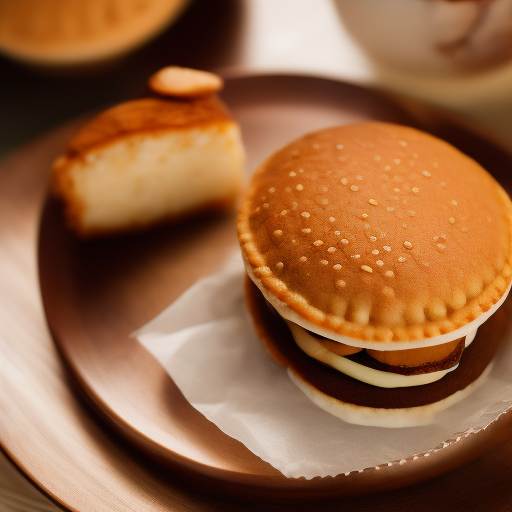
(278, 340)
(446, 363)
(362, 357)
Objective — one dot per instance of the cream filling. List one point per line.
(313, 348)
(469, 338)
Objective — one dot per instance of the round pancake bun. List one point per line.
(378, 236)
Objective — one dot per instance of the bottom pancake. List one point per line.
(357, 402)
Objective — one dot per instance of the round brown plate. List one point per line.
(97, 293)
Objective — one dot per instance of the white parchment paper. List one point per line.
(206, 342)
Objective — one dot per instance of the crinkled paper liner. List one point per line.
(206, 342)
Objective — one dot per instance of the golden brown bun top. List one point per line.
(147, 115)
(378, 232)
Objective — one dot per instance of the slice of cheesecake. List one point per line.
(149, 160)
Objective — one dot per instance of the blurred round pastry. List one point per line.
(149, 160)
(381, 238)
(73, 33)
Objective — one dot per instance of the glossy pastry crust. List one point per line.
(145, 115)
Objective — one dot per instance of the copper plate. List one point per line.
(96, 293)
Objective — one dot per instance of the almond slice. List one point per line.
(184, 82)
(415, 356)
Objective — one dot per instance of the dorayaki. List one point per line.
(374, 254)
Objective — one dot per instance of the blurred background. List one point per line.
(63, 58)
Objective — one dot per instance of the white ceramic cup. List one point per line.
(432, 36)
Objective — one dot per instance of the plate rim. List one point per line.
(188, 464)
